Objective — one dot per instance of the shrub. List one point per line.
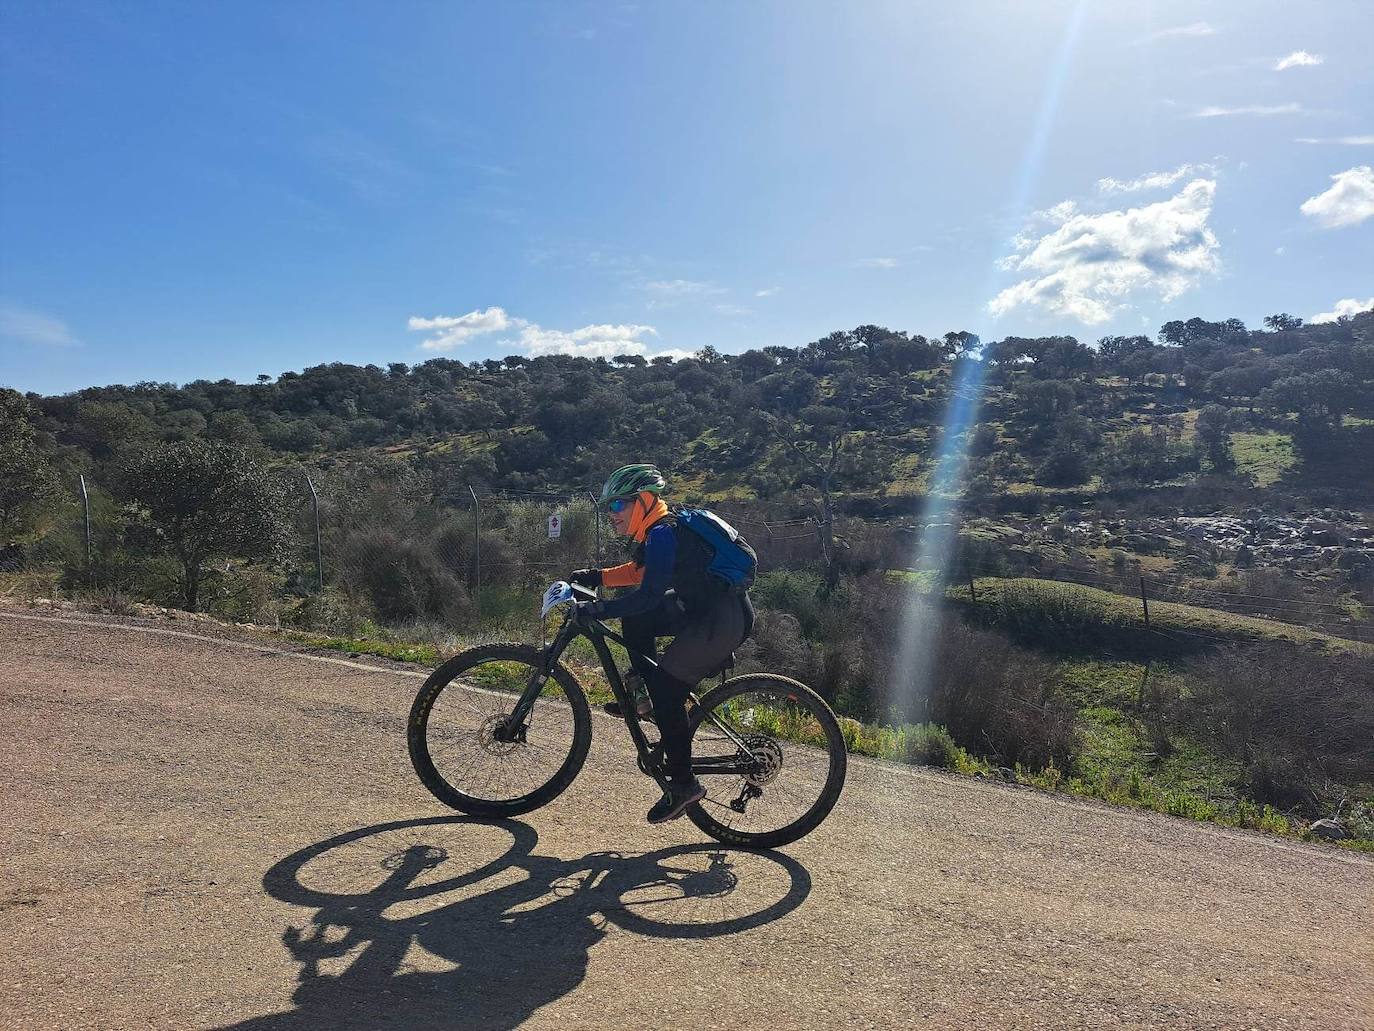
(1065, 465)
(794, 591)
(779, 646)
(928, 745)
(1146, 456)
(402, 579)
(1297, 720)
(992, 697)
(997, 699)
(244, 594)
(332, 611)
(1050, 614)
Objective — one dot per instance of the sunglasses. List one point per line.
(618, 505)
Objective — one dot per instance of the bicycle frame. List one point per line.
(742, 764)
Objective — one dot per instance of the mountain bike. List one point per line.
(502, 729)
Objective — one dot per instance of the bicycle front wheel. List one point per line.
(459, 756)
(795, 754)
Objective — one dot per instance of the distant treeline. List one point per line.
(855, 412)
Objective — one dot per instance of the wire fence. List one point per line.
(1337, 618)
(472, 552)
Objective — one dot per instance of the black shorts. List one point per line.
(702, 638)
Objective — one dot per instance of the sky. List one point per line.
(195, 191)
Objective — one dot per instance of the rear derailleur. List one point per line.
(748, 792)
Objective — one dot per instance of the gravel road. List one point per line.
(203, 830)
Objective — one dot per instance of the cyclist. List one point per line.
(676, 596)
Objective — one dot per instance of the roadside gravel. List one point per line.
(206, 828)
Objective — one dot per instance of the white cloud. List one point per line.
(1349, 141)
(1193, 30)
(736, 310)
(1348, 306)
(675, 353)
(1297, 59)
(768, 292)
(1089, 265)
(1057, 213)
(1261, 110)
(600, 341)
(877, 263)
(603, 340)
(32, 327)
(1348, 202)
(1151, 180)
(455, 329)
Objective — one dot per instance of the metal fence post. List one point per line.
(476, 550)
(86, 504)
(596, 521)
(319, 544)
(1144, 602)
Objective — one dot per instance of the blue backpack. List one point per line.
(733, 560)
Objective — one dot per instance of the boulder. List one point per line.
(1322, 535)
(1148, 543)
(1328, 830)
(1354, 558)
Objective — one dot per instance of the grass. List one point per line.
(1073, 613)
(921, 744)
(422, 654)
(1264, 456)
(1134, 790)
(908, 475)
(1117, 762)
(30, 584)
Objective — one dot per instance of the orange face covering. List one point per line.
(649, 509)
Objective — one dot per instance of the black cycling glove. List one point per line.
(586, 578)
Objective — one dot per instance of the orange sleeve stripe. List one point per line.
(626, 575)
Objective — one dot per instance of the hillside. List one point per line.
(1223, 476)
(1288, 409)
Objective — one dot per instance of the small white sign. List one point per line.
(555, 526)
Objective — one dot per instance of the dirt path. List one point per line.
(209, 834)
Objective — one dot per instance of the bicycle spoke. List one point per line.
(463, 723)
(789, 749)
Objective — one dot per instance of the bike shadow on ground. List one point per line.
(454, 923)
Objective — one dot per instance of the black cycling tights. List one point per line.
(702, 641)
(669, 696)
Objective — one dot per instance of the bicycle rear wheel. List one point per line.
(456, 753)
(799, 761)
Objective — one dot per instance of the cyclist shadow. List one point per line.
(490, 958)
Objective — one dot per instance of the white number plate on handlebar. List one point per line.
(559, 591)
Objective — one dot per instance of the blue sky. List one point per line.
(208, 190)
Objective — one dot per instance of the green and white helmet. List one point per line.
(629, 480)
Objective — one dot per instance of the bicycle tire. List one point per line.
(418, 729)
(834, 748)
